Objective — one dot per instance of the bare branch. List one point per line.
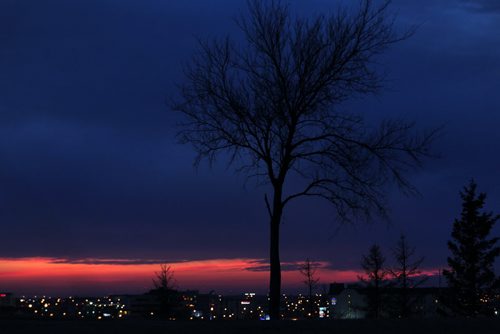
(272, 105)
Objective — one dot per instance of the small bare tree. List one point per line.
(273, 104)
(164, 278)
(407, 275)
(375, 280)
(164, 284)
(308, 270)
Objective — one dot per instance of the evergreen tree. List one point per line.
(407, 276)
(375, 281)
(471, 277)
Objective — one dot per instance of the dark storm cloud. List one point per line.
(284, 267)
(263, 265)
(114, 261)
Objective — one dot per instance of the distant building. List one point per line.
(348, 301)
(145, 305)
(7, 304)
(7, 300)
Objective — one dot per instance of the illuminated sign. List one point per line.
(322, 312)
(245, 302)
(3, 295)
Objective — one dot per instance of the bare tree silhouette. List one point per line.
(164, 278)
(272, 103)
(164, 284)
(375, 280)
(308, 270)
(407, 275)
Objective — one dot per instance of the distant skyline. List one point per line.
(90, 167)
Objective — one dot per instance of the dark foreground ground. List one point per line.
(438, 326)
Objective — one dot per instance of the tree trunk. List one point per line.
(310, 303)
(274, 256)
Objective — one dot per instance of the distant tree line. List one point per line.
(398, 279)
(472, 285)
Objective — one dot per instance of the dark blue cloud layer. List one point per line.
(89, 163)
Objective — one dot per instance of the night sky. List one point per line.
(91, 172)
